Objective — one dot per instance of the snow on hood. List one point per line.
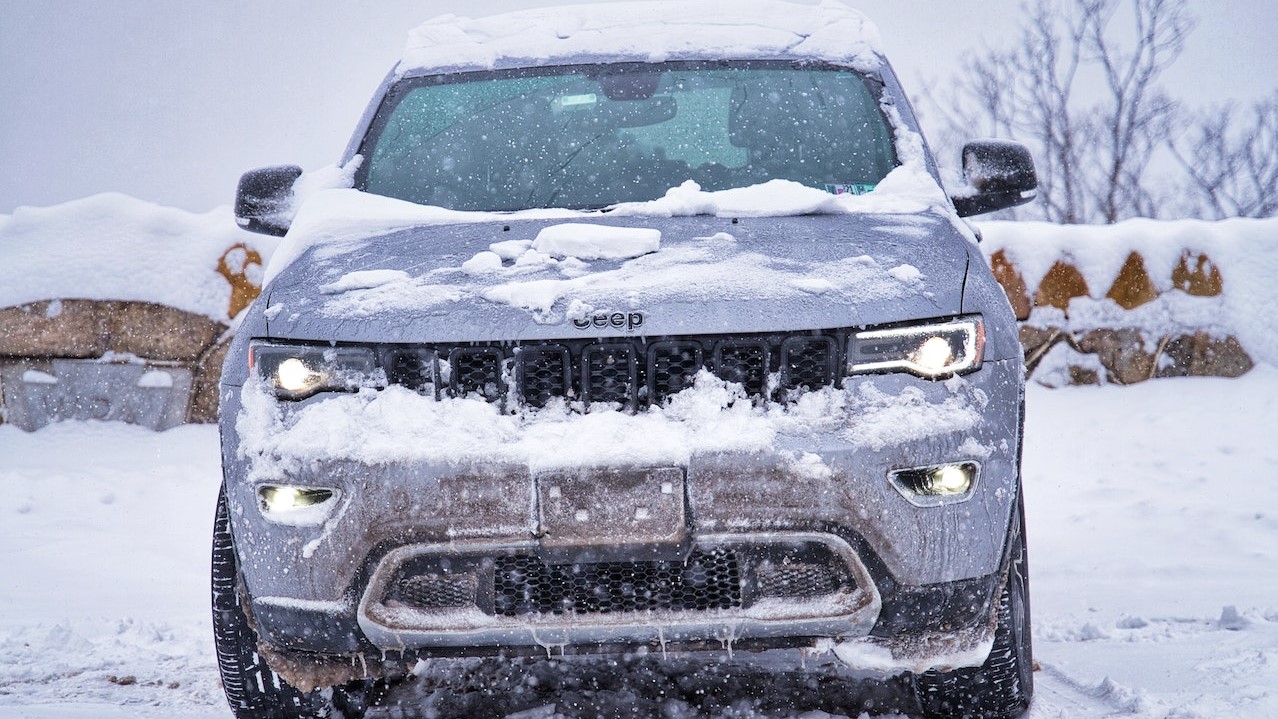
(586, 241)
(338, 220)
(450, 282)
(115, 247)
(645, 32)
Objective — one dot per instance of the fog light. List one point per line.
(938, 484)
(949, 480)
(284, 499)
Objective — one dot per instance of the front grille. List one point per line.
(524, 585)
(627, 372)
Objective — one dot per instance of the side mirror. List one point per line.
(264, 200)
(1000, 174)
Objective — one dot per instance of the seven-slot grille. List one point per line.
(623, 372)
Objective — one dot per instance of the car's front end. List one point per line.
(674, 474)
(630, 356)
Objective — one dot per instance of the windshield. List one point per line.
(592, 136)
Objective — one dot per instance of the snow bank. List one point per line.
(115, 247)
(645, 32)
(1244, 253)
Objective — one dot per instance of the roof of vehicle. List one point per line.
(648, 31)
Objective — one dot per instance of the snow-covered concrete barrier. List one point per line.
(1140, 299)
(115, 308)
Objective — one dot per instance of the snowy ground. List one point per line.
(1151, 514)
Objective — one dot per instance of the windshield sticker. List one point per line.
(855, 189)
(568, 101)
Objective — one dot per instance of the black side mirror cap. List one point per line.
(264, 199)
(999, 173)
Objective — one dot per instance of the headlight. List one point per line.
(277, 498)
(933, 351)
(298, 372)
(296, 506)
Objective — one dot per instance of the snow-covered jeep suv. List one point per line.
(638, 327)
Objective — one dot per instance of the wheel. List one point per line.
(1002, 687)
(252, 689)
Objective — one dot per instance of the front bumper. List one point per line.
(914, 571)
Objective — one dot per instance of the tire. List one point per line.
(252, 689)
(1002, 687)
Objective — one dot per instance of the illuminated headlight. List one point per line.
(297, 506)
(298, 372)
(937, 485)
(933, 351)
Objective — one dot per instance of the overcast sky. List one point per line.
(170, 100)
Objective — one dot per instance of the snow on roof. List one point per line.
(650, 31)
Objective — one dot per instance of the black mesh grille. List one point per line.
(610, 373)
(672, 367)
(743, 362)
(524, 585)
(476, 370)
(807, 362)
(434, 591)
(414, 369)
(798, 580)
(544, 373)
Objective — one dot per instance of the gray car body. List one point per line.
(308, 583)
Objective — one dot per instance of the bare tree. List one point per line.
(1230, 159)
(1085, 100)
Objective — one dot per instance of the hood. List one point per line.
(551, 279)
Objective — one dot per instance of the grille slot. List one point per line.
(524, 585)
(610, 374)
(807, 362)
(476, 370)
(544, 373)
(672, 367)
(745, 362)
(414, 369)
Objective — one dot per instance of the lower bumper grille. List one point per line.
(524, 585)
(769, 586)
(712, 578)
